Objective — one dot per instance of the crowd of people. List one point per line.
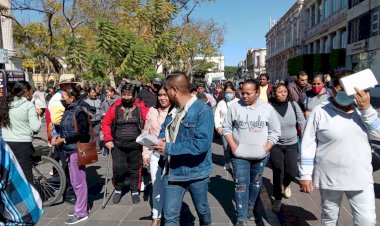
(314, 130)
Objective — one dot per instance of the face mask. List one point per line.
(64, 104)
(343, 99)
(229, 96)
(316, 89)
(127, 103)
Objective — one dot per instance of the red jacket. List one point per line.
(110, 117)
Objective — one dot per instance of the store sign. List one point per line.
(15, 76)
(357, 47)
(4, 59)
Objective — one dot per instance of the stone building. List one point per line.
(283, 41)
(363, 49)
(256, 62)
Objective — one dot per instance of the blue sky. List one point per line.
(246, 22)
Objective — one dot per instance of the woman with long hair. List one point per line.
(24, 122)
(154, 119)
(284, 154)
(229, 98)
(69, 137)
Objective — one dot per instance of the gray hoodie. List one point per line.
(99, 112)
(24, 121)
(251, 128)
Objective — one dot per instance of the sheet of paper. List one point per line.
(362, 80)
(147, 140)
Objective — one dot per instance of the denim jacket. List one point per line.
(190, 154)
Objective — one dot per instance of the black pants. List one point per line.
(126, 161)
(283, 159)
(24, 155)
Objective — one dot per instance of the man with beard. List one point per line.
(121, 125)
(186, 138)
(149, 94)
(298, 88)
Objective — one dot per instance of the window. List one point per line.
(313, 22)
(354, 3)
(327, 8)
(375, 23)
(320, 11)
(344, 39)
(335, 5)
(354, 30)
(344, 3)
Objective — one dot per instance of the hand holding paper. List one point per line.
(147, 140)
(361, 80)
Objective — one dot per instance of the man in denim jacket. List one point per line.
(186, 144)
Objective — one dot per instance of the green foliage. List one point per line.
(311, 63)
(230, 71)
(76, 55)
(203, 66)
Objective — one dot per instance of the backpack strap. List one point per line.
(113, 125)
(141, 121)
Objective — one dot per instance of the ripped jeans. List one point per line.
(248, 179)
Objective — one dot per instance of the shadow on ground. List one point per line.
(290, 215)
(224, 198)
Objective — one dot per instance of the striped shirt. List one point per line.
(20, 203)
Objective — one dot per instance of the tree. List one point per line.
(230, 71)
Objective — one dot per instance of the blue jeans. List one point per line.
(248, 179)
(226, 149)
(173, 198)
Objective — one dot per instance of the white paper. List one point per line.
(147, 140)
(362, 80)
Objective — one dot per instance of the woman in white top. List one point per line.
(220, 113)
(336, 155)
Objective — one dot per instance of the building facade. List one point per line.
(325, 25)
(256, 62)
(216, 73)
(8, 57)
(363, 48)
(283, 41)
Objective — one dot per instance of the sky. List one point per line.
(246, 22)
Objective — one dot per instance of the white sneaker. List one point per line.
(287, 192)
(276, 207)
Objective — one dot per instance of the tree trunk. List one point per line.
(112, 79)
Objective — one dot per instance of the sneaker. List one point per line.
(104, 152)
(135, 198)
(287, 192)
(276, 207)
(98, 150)
(251, 215)
(71, 213)
(75, 219)
(227, 166)
(116, 197)
(240, 223)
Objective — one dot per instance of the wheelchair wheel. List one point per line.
(49, 180)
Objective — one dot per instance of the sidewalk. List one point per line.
(305, 209)
(221, 196)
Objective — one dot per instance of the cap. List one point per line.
(156, 81)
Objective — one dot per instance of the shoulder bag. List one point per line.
(87, 152)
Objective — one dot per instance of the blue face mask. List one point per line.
(343, 99)
(229, 96)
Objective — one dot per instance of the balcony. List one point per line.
(326, 23)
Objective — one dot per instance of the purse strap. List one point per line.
(91, 129)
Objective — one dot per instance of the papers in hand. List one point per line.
(147, 140)
(362, 80)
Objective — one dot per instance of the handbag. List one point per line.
(87, 152)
